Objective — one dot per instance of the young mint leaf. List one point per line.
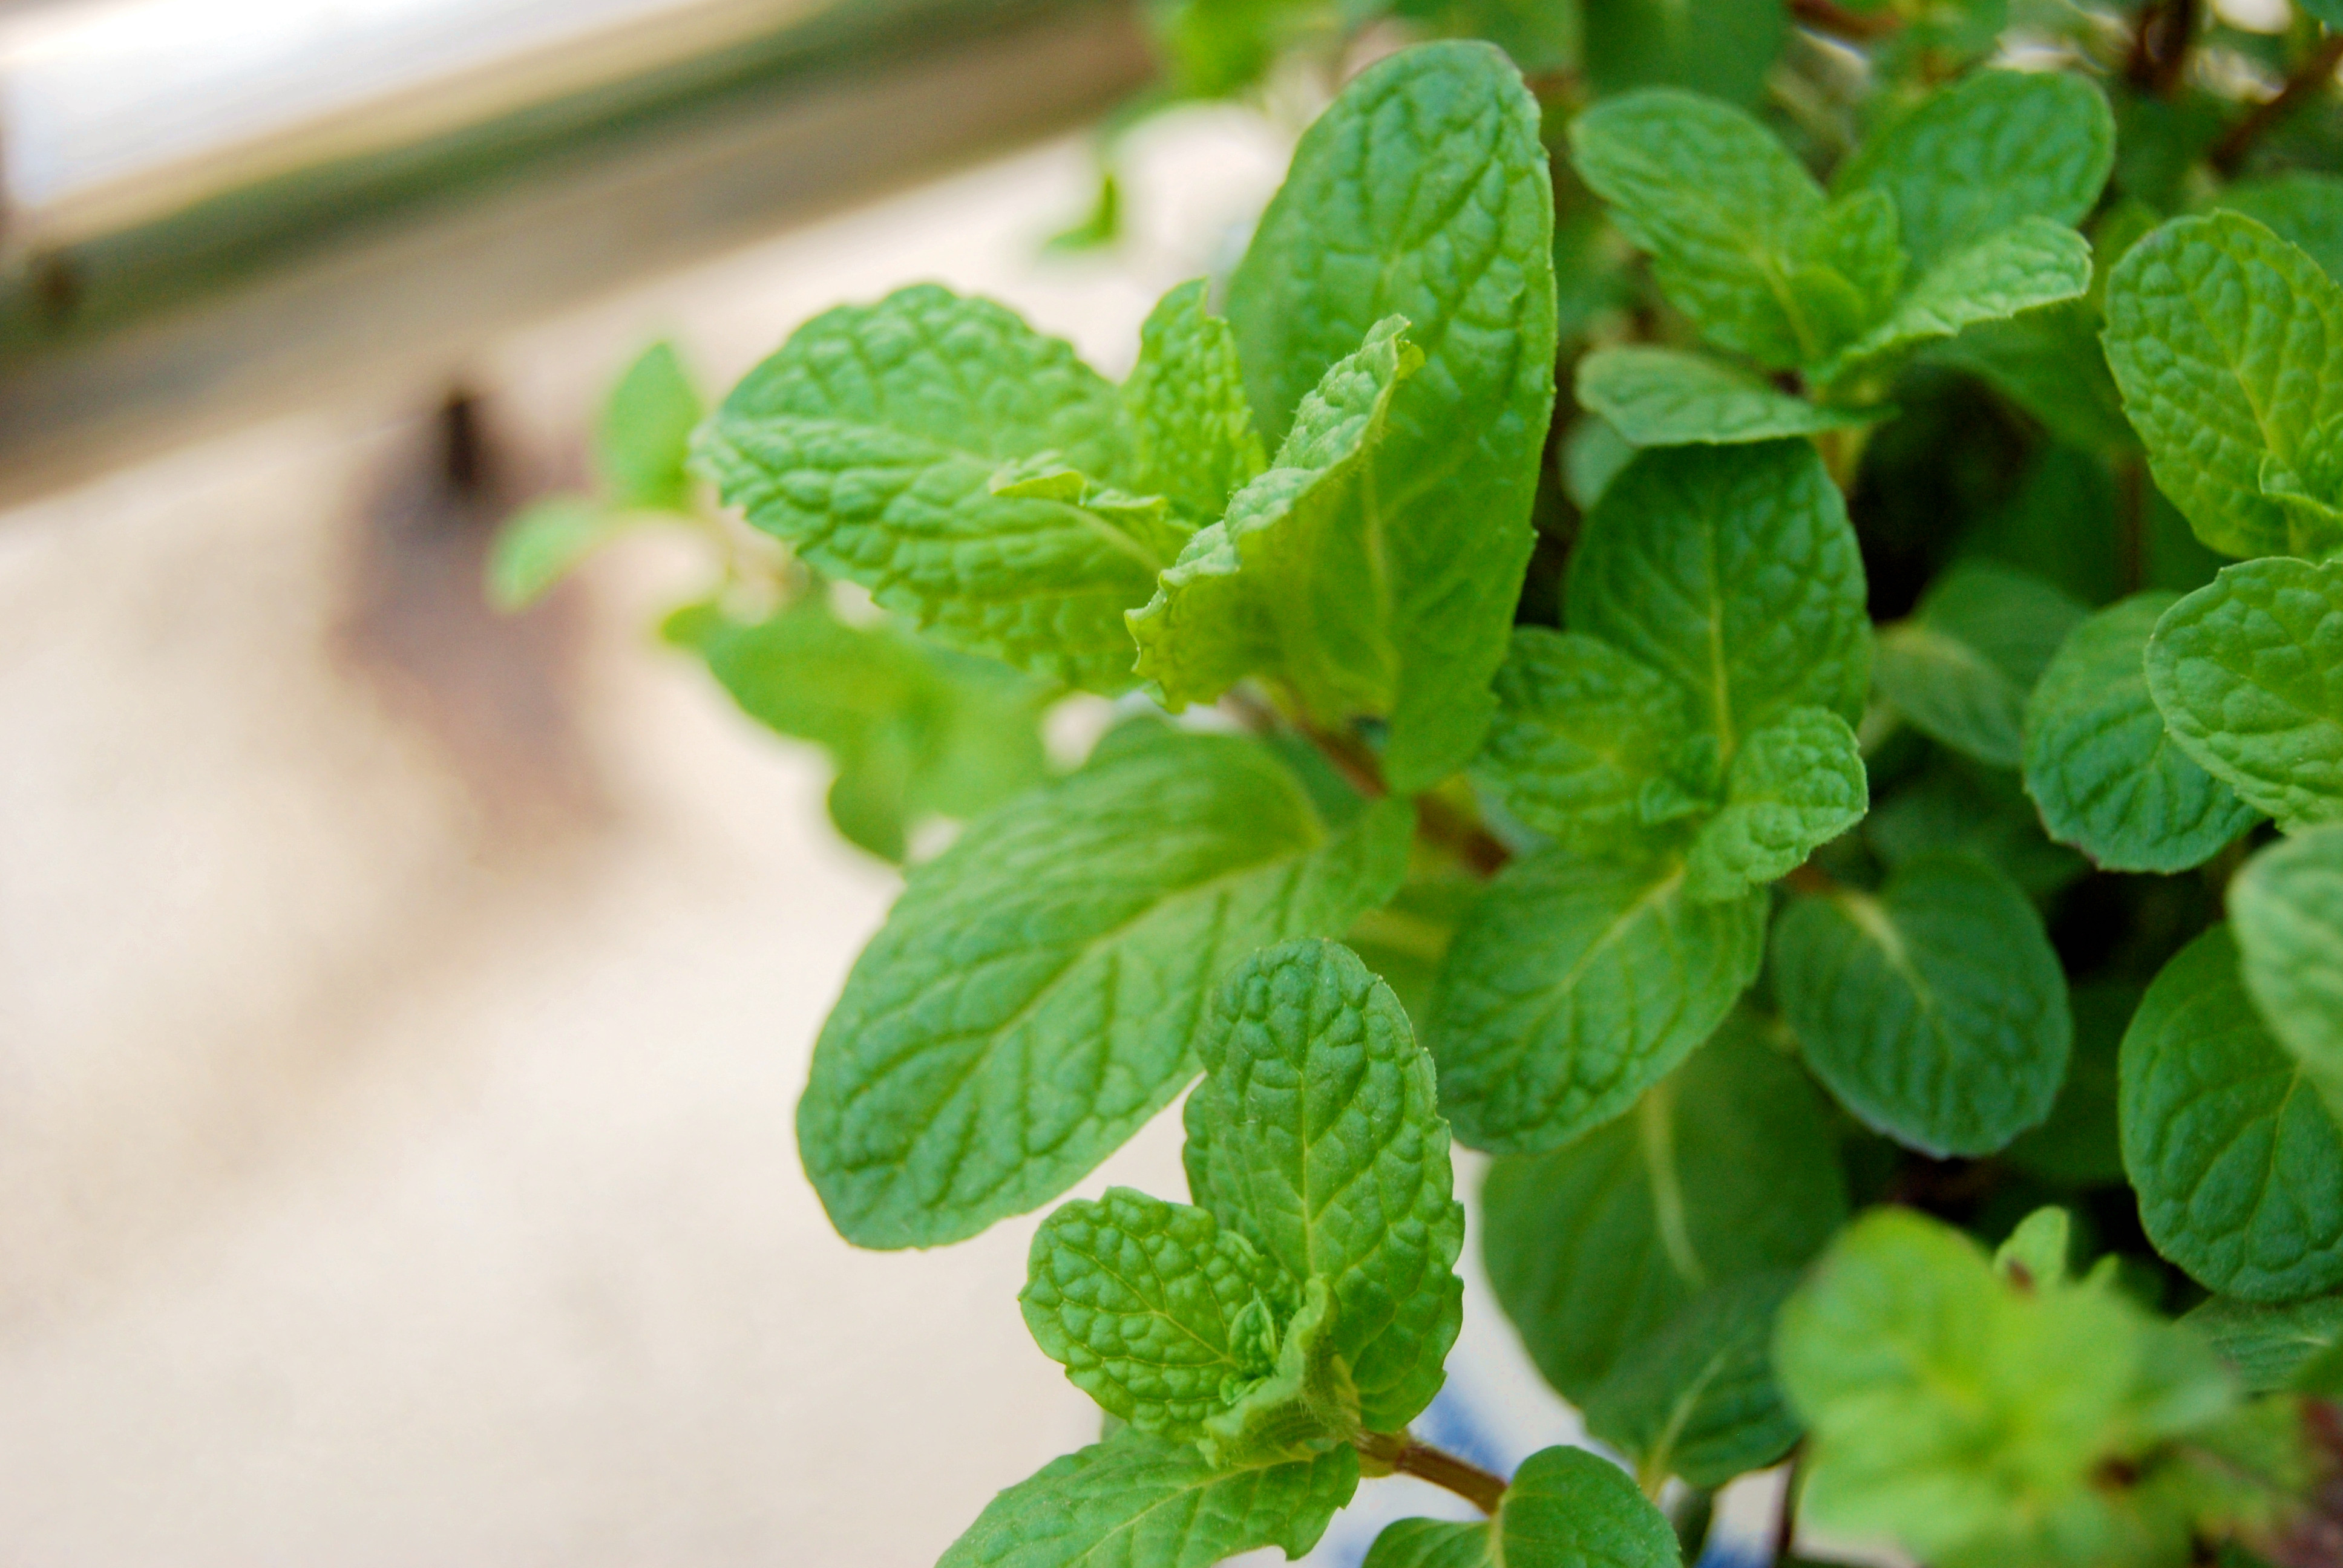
(2300, 207)
(2237, 1164)
(1293, 582)
(1566, 1508)
(1720, 47)
(1733, 569)
(1139, 1500)
(1154, 1311)
(540, 545)
(1581, 730)
(1698, 1398)
(2287, 909)
(1424, 193)
(1935, 1010)
(1728, 1168)
(1968, 1418)
(2269, 1344)
(1721, 206)
(1986, 153)
(870, 442)
(2039, 1251)
(646, 433)
(1664, 398)
(2032, 263)
(1574, 984)
(1856, 242)
(2099, 763)
(1793, 787)
(1193, 433)
(1305, 1406)
(1959, 670)
(2249, 674)
(1315, 1134)
(1036, 991)
(2227, 343)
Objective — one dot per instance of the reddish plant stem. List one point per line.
(2159, 50)
(1481, 850)
(2309, 80)
(1406, 1457)
(1812, 879)
(1830, 16)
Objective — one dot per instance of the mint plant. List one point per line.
(1772, 592)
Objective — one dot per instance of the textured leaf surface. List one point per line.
(1566, 1508)
(2099, 763)
(2227, 343)
(1935, 1010)
(1728, 1168)
(1424, 193)
(2029, 265)
(1698, 1398)
(1664, 398)
(2249, 674)
(1571, 986)
(644, 434)
(2269, 1344)
(2237, 1161)
(1139, 1501)
(1295, 582)
(870, 442)
(1733, 570)
(1581, 731)
(1035, 993)
(2287, 909)
(1305, 1406)
(1986, 153)
(1793, 787)
(1154, 1309)
(1960, 670)
(1315, 1134)
(1192, 435)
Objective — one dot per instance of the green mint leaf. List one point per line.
(2249, 674)
(1720, 47)
(1139, 1500)
(1959, 670)
(1957, 807)
(1292, 583)
(1566, 1508)
(1581, 730)
(1698, 1398)
(1574, 984)
(1035, 993)
(1721, 206)
(1316, 1135)
(1152, 1309)
(1934, 1010)
(2269, 1344)
(2032, 263)
(2038, 1252)
(645, 435)
(2099, 763)
(1968, 1418)
(2237, 1163)
(2300, 207)
(2227, 343)
(2287, 909)
(870, 442)
(1424, 193)
(539, 545)
(1663, 397)
(1856, 242)
(1727, 1169)
(1793, 787)
(2078, 1145)
(1980, 156)
(1733, 569)
(1193, 433)
(1306, 1404)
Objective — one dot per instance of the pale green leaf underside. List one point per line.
(1581, 728)
(2098, 764)
(1424, 193)
(2249, 674)
(1935, 1011)
(1315, 1134)
(1665, 397)
(2029, 265)
(1574, 984)
(2237, 1161)
(1793, 787)
(2287, 909)
(1193, 435)
(1566, 1508)
(1698, 1400)
(1959, 670)
(1139, 1500)
(1035, 993)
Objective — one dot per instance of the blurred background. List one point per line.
(403, 1004)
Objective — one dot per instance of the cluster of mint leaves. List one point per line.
(1801, 851)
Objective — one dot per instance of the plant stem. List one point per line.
(2159, 50)
(2309, 79)
(1830, 16)
(1405, 1456)
(1786, 1523)
(2131, 519)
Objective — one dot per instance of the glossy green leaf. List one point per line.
(2099, 763)
(1315, 1135)
(1565, 1508)
(645, 435)
(2029, 265)
(2269, 1344)
(1581, 730)
(1960, 669)
(1793, 787)
(1935, 1010)
(2238, 1162)
(2287, 909)
(1728, 1168)
(2249, 674)
(1192, 435)
(1035, 993)
(1698, 1398)
(1664, 398)
(1424, 193)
